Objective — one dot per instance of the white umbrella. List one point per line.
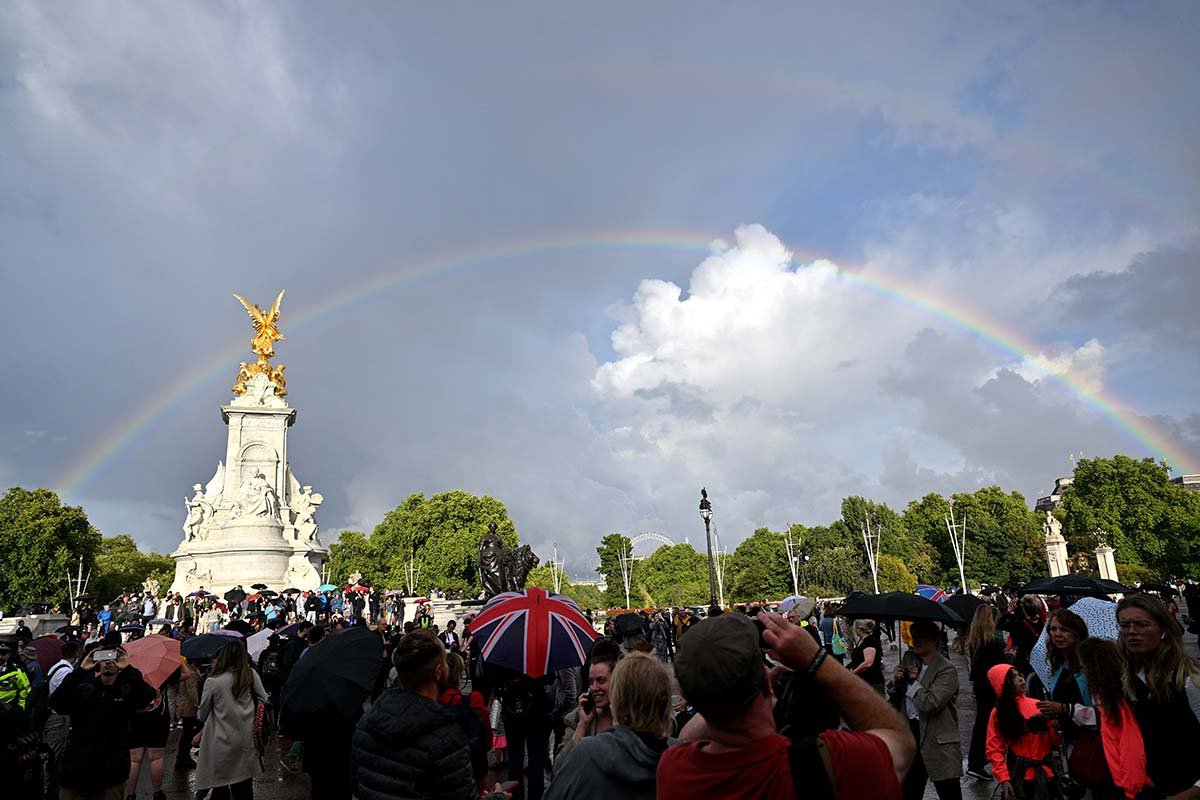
(258, 642)
(1100, 616)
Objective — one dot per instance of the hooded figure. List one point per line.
(618, 762)
(1024, 752)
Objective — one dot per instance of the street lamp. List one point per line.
(706, 514)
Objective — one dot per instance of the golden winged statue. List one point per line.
(266, 334)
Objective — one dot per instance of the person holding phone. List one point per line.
(593, 714)
(101, 696)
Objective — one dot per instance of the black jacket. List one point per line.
(97, 754)
(408, 746)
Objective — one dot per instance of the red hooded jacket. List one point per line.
(1032, 745)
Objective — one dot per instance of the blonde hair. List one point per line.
(983, 630)
(865, 626)
(640, 695)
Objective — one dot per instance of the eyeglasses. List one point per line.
(1136, 625)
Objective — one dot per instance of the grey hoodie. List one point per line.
(614, 763)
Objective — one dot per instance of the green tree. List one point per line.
(894, 575)
(41, 540)
(121, 566)
(835, 572)
(610, 549)
(1147, 519)
(441, 533)
(895, 539)
(673, 575)
(587, 597)
(759, 568)
(355, 552)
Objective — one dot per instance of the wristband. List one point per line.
(815, 664)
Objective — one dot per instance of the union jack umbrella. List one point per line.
(533, 632)
(931, 593)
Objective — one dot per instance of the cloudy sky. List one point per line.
(587, 260)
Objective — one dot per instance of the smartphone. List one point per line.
(104, 655)
(589, 705)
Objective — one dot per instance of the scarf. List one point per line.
(1124, 750)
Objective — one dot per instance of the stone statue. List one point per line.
(256, 498)
(305, 504)
(1051, 526)
(199, 511)
(491, 562)
(266, 333)
(151, 587)
(517, 564)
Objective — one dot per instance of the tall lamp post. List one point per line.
(706, 514)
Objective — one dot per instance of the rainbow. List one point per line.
(1141, 430)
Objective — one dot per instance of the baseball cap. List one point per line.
(719, 665)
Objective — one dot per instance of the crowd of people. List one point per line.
(746, 703)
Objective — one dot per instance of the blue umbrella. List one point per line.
(326, 587)
(931, 593)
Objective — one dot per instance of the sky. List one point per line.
(589, 259)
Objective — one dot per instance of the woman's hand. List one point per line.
(1009, 794)
(1051, 707)
(900, 673)
(585, 716)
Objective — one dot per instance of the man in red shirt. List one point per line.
(732, 749)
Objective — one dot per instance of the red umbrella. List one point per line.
(421, 600)
(360, 588)
(533, 632)
(255, 596)
(156, 656)
(49, 650)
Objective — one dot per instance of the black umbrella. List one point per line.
(964, 605)
(205, 646)
(292, 591)
(1161, 588)
(258, 586)
(1075, 585)
(899, 605)
(333, 679)
(235, 595)
(241, 626)
(128, 616)
(854, 596)
(269, 593)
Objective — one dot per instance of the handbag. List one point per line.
(1087, 764)
(838, 645)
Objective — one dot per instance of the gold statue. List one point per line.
(266, 334)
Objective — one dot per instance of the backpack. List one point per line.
(270, 667)
(812, 772)
(37, 705)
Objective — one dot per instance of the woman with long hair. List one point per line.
(640, 693)
(228, 757)
(1066, 695)
(1164, 683)
(1123, 749)
(866, 660)
(593, 714)
(985, 649)
(1020, 739)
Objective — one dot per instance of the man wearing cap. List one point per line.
(14, 683)
(732, 748)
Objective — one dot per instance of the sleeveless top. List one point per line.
(1170, 731)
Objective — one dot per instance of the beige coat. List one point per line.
(936, 700)
(227, 753)
(189, 699)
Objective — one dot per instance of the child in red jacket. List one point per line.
(1020, 740)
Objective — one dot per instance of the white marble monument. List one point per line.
(1056, 546)
(253, 522)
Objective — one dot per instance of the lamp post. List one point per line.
(706, 514)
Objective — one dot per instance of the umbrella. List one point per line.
(803, 606)
(160, 621)
(269, 593)
(258, 642)
(258, 586)
(1077, 585)
(235, 595)
(421, 600)
(205, 646)
(200, 593)
(290, 630)
(326, 587)
(964, 605)
(127, 616)
(899, 605)
(156, 656)
(131, 629)
(394, 592)
(227, 633)
(931, 593)
(255, 596)
(240, 627)
(335, 676)
(533, 632)
(358, 587)
(49, 650)
(291, 591)
(1101, 619)
(1162, 588)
